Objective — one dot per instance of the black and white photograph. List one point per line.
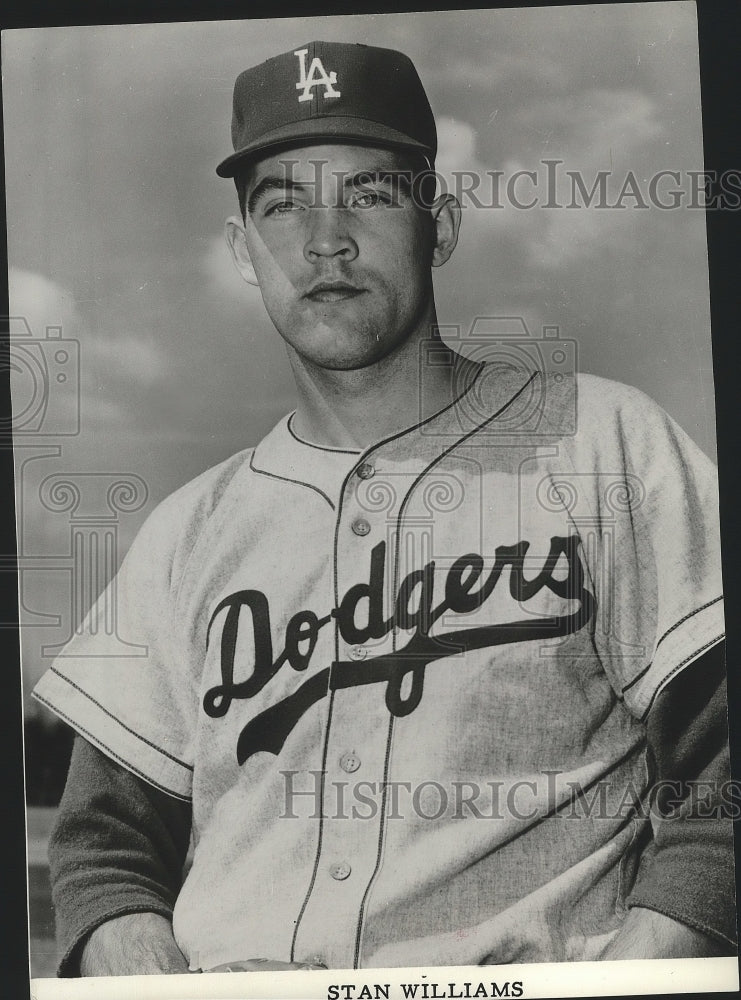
(368, 543)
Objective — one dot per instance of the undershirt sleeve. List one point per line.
(118, 846)
(687, 873)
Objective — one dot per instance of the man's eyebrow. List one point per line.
(276, 183)
(379, 176)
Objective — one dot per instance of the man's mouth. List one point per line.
(332, 291)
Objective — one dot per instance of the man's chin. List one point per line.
(342, 351)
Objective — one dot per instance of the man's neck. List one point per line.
(353, 409)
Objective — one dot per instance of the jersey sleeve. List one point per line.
(658, 568)
(121, 681)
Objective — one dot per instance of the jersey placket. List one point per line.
(357, 741)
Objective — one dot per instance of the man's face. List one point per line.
(340, 250)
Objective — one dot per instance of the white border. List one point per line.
(546, 979)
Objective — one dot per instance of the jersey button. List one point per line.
(361, 526)
(340, 871)
(358, 652)
(349, 762)
(366, 471)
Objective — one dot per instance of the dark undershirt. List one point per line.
(119, 845)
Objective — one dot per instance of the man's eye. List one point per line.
(282, 208)
(368, 199)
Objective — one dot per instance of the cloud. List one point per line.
(473, 70)
(593, 124)
(127, 358)
(456, 146)
(613, 130)
(44, 303)
(41, 301)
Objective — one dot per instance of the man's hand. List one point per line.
(137, 944)
(647, 934)
(266, 965)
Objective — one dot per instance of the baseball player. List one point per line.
(431, 675)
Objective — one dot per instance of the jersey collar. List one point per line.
(493, 392)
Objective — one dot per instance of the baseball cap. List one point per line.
(331, 91)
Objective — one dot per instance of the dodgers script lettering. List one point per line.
(414, 609)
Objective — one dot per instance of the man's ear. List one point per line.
(446, 217)
(237, 242)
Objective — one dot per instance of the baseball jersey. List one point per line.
(405, 687)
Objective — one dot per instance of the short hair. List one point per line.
(422, 170)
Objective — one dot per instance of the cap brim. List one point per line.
(332, 127)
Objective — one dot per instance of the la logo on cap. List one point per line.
(316, 76)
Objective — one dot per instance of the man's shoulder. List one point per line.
(178, 520)
(616, 425)
(599, 405)
(537, 402)
(204, 492)
(607, 409)
(609, 395)
(593, 419)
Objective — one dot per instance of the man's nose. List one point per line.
(329, 235)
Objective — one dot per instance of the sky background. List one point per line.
(115, 222)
